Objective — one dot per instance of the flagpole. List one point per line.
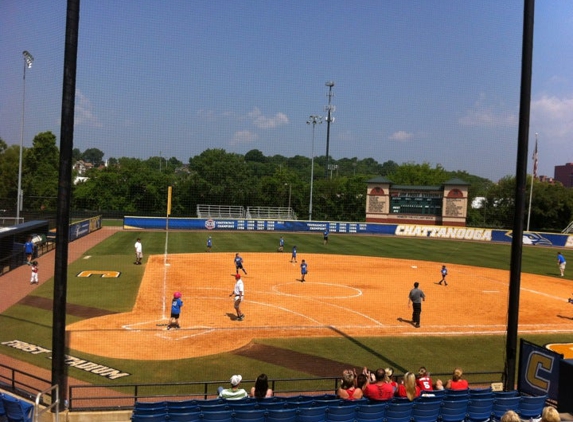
(533, 176)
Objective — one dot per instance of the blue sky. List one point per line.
(432, 81)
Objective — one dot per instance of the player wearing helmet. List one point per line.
(176, 305)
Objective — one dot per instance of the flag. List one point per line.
(535, 160)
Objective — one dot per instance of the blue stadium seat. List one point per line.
(159, 417)
(17, 410)
(426, 411)
(479, 409)
(218, 416)
(271, 404)
(457, 394)
(179, 416)
(454, 410)
(182, 404)
(241, 404)
(2, 411)
(399, 409)
(212, 407)
(530, 407)
(503, 404)
(281, 415)
(148, 410)
(341, 413)
(484, 393)
(372, 411)
(312, 414)
(510, 393)
(252, 415)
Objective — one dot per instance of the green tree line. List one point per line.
(217, 177)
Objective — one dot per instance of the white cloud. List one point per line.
(401, 136)
(488, 115)
(263, 122)
(553, 116)
(244, 137)
(83, 114)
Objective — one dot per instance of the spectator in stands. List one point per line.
(381, 388)
(233, 393)
(550, 414)
(510, 416)
(348, 388)
(261, 389)
(454, 383)
(390, 373)
(361, 381)
(424, 380)
(408, 387)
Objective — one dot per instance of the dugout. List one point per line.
(12, 241)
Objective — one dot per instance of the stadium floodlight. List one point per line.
(28, 60)
(289, 196)
(314, 120)
(329, 109)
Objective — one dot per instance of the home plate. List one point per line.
(414, 266)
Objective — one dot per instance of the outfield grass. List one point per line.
(439, 354)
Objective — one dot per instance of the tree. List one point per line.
(40, 172)
(94, 156)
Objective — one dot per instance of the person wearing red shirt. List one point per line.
(457, 383)
(381, 389)
(408, 387)
(424, 380)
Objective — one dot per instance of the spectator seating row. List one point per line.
(15, 410)
(456, 408)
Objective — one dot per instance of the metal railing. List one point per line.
(83, 398)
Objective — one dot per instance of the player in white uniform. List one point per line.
(239, 293)
(138, 252)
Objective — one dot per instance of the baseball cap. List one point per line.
(237, 276)
(236, 380)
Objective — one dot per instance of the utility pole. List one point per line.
(329, 109)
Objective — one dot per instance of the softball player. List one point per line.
(239, 264)
(239, 293)
(303, 270)
(176, 305)
(293, 255)
(444, 272)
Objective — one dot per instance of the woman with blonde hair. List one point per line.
(408, 387)
(348, 389)
(550, 414)
(457, 382)
(510, 416)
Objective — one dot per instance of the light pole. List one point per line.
(28, 60)
(312, 120)
(289, 196)
(329, 109)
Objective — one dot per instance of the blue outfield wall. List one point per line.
(403, 230)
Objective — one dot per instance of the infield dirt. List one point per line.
(342, 296)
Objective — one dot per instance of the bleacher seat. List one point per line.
(271, 404)
(457, 394)
(530, 407)
(454, 410)
(17, 410)
(311, 414)
(426, 411)
(480, 393)
(480, 409)
(182, 404)
(178, 416)
(251, 415)
(281, 415)
(503, 404)
(160, 417)
(212, 407)
(218, 416)
(345, 413)
(371, 411)
(510, 393)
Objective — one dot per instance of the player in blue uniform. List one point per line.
(303, 270)
(325, 237)
(209, 244)
(239, 263)
(293, 255)
(176, 305)
(281, 244)
(561, 263)
(444, 272)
